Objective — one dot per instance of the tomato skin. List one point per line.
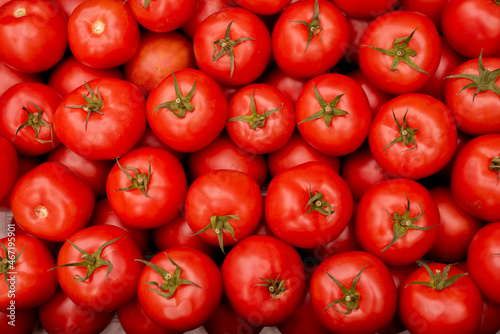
(374, 227)
(36, 39)
(431, 8)
(166, 190)
(254, 258)
(196, 267)
(204, 10)
(455, 309)
(263, 7)
(290, 86)
(290, 39)
(8, 167)
(133, 320)
(25, 321)
(68, 6)
(359, 8)
(97, 293)
(288, 220)
(376, 287)
(51, 186)
(226, 320)
(103, 34)
(10, 77)
(473, 183)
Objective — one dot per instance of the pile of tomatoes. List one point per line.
(238, 166)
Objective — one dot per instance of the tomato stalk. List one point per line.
(181, 104)
(140, 181)
(94, 103)
(255, 120)
(146, 4)
(313, 27)
(439, 280)
(219, 224)
(276, 287)
(5, 265)
(171, 282)
(406, 134)
(495, 166)
(317, 203)
(35, 120)
(328, 110)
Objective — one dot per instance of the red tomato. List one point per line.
(353, 292)
(102, 119)
(413, 136)
(290, 86)
(52, 202)
(223, 207)
(158, 55)
(439, 298)
(33, 34)
(233, 46)
(146, 187)
(261, 118)
(59, 314)
(205, 9)
(180, 288)
(431, 8)
(309, 38)
(187, 110)
(360, 8)
(26, 279)
(107, 277)
(357, 27)
(68, 6)
(400, 37)
(19, 322)
(103, 34)
(263, 279)
(308, 205)
(133, 320)
(150, 139)
(8, 167)
(26, 117)
(333, 114)
(264, 7)
(10, 77)
(397, 221)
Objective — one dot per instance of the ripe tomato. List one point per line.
(431, 8)
(68, 6)
(103, 34)
(309, 38)
(133, 320)
(146, 187)
(353, 292)
(19, 322)
(397, 221)
(52, 202)
(10, 77)
(333, 114)
(359, 8)
(107, 277)
(290, 86)
(308, 205)
(180, 288)
(263, 279)
(33, 34)
(8, 167)
(263, 7)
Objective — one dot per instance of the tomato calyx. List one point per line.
(227, 45)
(91, 261)
(351, 296)
(171, 282)
(495, 166)
(403, 223)
(317, 203)
(276, 287)
(401, 53)
(94, 103)
(140, 181)
(439, 280)
(328, 110)
(181, 104)
(406, 134)
(255, 120)
(484, 81)
(313, 27)
(35, 120)
(219, 224)
(6, 265)
(146, 4)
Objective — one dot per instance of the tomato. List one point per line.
(359, 8)
(26, 117)
(290, 86)
(400, 37)
(52, 202)
(397, 221)
(233, 46)
(8, 167)
(180, 288)
(19, 322)
(33, 34)
(261, 118)
(59, 314)
(150, 139)
(103, 34)
(472, 92)
(133, 320)
(433, 9)
(146, 187)
(107, 277)
(413, 136)
(439, 298)
(483, 260)
(223, 153)
(187, 110)
(357, 27)
(10, 77)
(475, 177)
(308, 205)
(333, 114)
(353, 292)
(70, 74)
(68, 6)
(26, 281)
(456, 228)
(470, 26)
(309, 38)
(263, 279)
(158, 54)
(102, 119)
(223, 207)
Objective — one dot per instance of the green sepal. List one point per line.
(219, 224)
(495, 167)
(6, 264)
(36, 121)
(313, 27)
(276, 287)
(182, 103)
(317, 203)
(140, 181)
(407, 134)
(94, 103)
(146, 4)
(439, 280)
(328, 110)
(255, 120)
